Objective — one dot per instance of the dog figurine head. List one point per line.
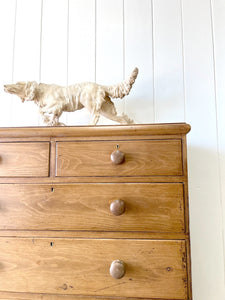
(25, 90)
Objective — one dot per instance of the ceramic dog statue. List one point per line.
(53, 99)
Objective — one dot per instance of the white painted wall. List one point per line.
(179, 47)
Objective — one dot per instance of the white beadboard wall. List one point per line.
(179, 48)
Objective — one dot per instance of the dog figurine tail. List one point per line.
(123, 88)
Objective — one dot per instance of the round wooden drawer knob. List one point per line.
(117, 269)
(117, 157)
(117, 207)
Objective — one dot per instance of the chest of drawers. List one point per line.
(94, 213)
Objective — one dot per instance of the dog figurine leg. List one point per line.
(51, 119)
(95, 119)
(123, 119)
(108, 110)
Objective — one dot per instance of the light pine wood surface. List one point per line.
(142, 158)
(82, 267)
(58, 232)
(24, 159)
(148, 207)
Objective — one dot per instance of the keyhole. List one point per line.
(117, 146)
(52, 189)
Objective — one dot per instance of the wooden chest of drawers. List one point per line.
(77, 223)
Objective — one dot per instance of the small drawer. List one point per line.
(25, 159)
(93, 207)
(141, 158)
(149, 268)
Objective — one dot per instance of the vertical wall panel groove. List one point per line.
(14, 41)
(109, 46)
(217, 131)
(168, 61)
(40, 58)
(7, 21)
(67, 45)
(153, 65)
(138, 45)
(124, 46)
(218, 23)
(81, 41)
(26, 58)
(123, 106)
(81, 51)
(54, 43)
(183, 59)
(13, 63)
(179, 48)
(204, 195)
(95, 35)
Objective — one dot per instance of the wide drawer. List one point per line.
(142, 207)
(154, 268)
(24, 159)
(142, 158)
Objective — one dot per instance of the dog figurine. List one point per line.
(53, 99)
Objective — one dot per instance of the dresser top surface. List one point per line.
(105, 130)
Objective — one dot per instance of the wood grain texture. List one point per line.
(58, 237)
(87, 131)
(24, 159)
(148, 207)
(94, 234)
(27, 296)
(142, 158)
(82, 267)
(134, 179)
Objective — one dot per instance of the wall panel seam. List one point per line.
(13, 59)
(14, 40)
(40, 57)
(95, 41)
(68, 32)
(219, 161)
(40, 54)
(183, 60)
(153, 64)
(124, 52)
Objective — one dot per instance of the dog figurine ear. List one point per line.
(30, 90)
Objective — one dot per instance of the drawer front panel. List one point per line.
(154, 269)
(147, 207)
(142, 158)
(25, 159)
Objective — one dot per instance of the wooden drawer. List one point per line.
(154, 268)
(148, 207)
(24, 159)
(142, 158)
